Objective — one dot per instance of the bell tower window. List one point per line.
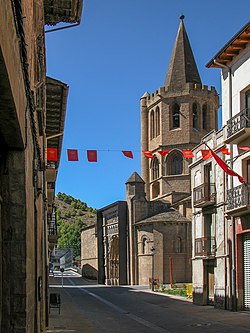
(152, 124)
(155, 168)
(174, 163)
(176, 116)
(205, 120)
(195, 116)
(157, 121)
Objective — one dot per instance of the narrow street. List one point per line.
(87, 307)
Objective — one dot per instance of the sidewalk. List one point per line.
(70, 319)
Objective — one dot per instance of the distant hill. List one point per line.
(72, 216)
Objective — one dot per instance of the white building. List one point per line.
(231, 286)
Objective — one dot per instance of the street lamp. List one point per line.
(153, 266)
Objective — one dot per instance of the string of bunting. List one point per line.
(72, 154)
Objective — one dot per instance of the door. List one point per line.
(210, 284)
(246, 269)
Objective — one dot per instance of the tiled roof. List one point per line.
(170, 216)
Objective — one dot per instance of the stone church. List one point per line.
(149, 234)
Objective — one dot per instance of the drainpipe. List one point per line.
(233, 271)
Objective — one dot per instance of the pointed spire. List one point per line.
(182, 67)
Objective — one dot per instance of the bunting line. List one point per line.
(92, 155)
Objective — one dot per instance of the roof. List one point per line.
(135, 178)
(182, 68)
(232, 48)
(170, 216)
(56, 101)
(68, 11)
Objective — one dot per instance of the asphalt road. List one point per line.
(91, 308)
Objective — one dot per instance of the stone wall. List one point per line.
(89, 260)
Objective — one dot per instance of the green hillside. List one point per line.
(72, 215)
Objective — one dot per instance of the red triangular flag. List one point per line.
(206, 154)
(164, 152)
(72, 154)
(225, 151)
(188, 153)
(52, 154)
(92, 155)
(245, 148)
(128, 153)
(148, 154)
(226, 168)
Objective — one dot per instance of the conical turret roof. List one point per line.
(182, 68)
(135, 178)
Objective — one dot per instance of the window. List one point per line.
(195, 116)
(205, 120)
(152, 124)
(176, 116)
(248, 102)
(144, 245)
(157, 121)
(208, 177)
(174, 163)
(155, 168)
(155, 189)
(178, 245)
(248, 171)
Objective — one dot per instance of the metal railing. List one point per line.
(204, 194)
(205, 246)
(238, 196)
(239, 121)
(52, 225)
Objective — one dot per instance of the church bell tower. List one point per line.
(175, 118)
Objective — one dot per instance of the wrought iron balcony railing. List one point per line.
(205, 246)
(52, 225)
(238, 196)
(204, 195)
(239, 121)
(52, 230)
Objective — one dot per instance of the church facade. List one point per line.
(152, 237)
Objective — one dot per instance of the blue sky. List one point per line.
(120, 50)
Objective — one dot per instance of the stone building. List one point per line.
(157, 236)
(24, 189)
(89, 259)
(175, 117)
(234, 61)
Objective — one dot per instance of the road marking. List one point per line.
(122, 311)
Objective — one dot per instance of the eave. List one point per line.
(67, 11)
(230, 50)
(56, 102)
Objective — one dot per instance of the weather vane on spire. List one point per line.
(182, 17)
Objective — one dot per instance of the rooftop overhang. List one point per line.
(230, 50)
(56, 102)
(67, 11)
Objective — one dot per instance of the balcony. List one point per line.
(238, 200)
(50, 192)
(204, 195)
(51, 171)
(52, 227)
(238, 127)
(205, 247)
